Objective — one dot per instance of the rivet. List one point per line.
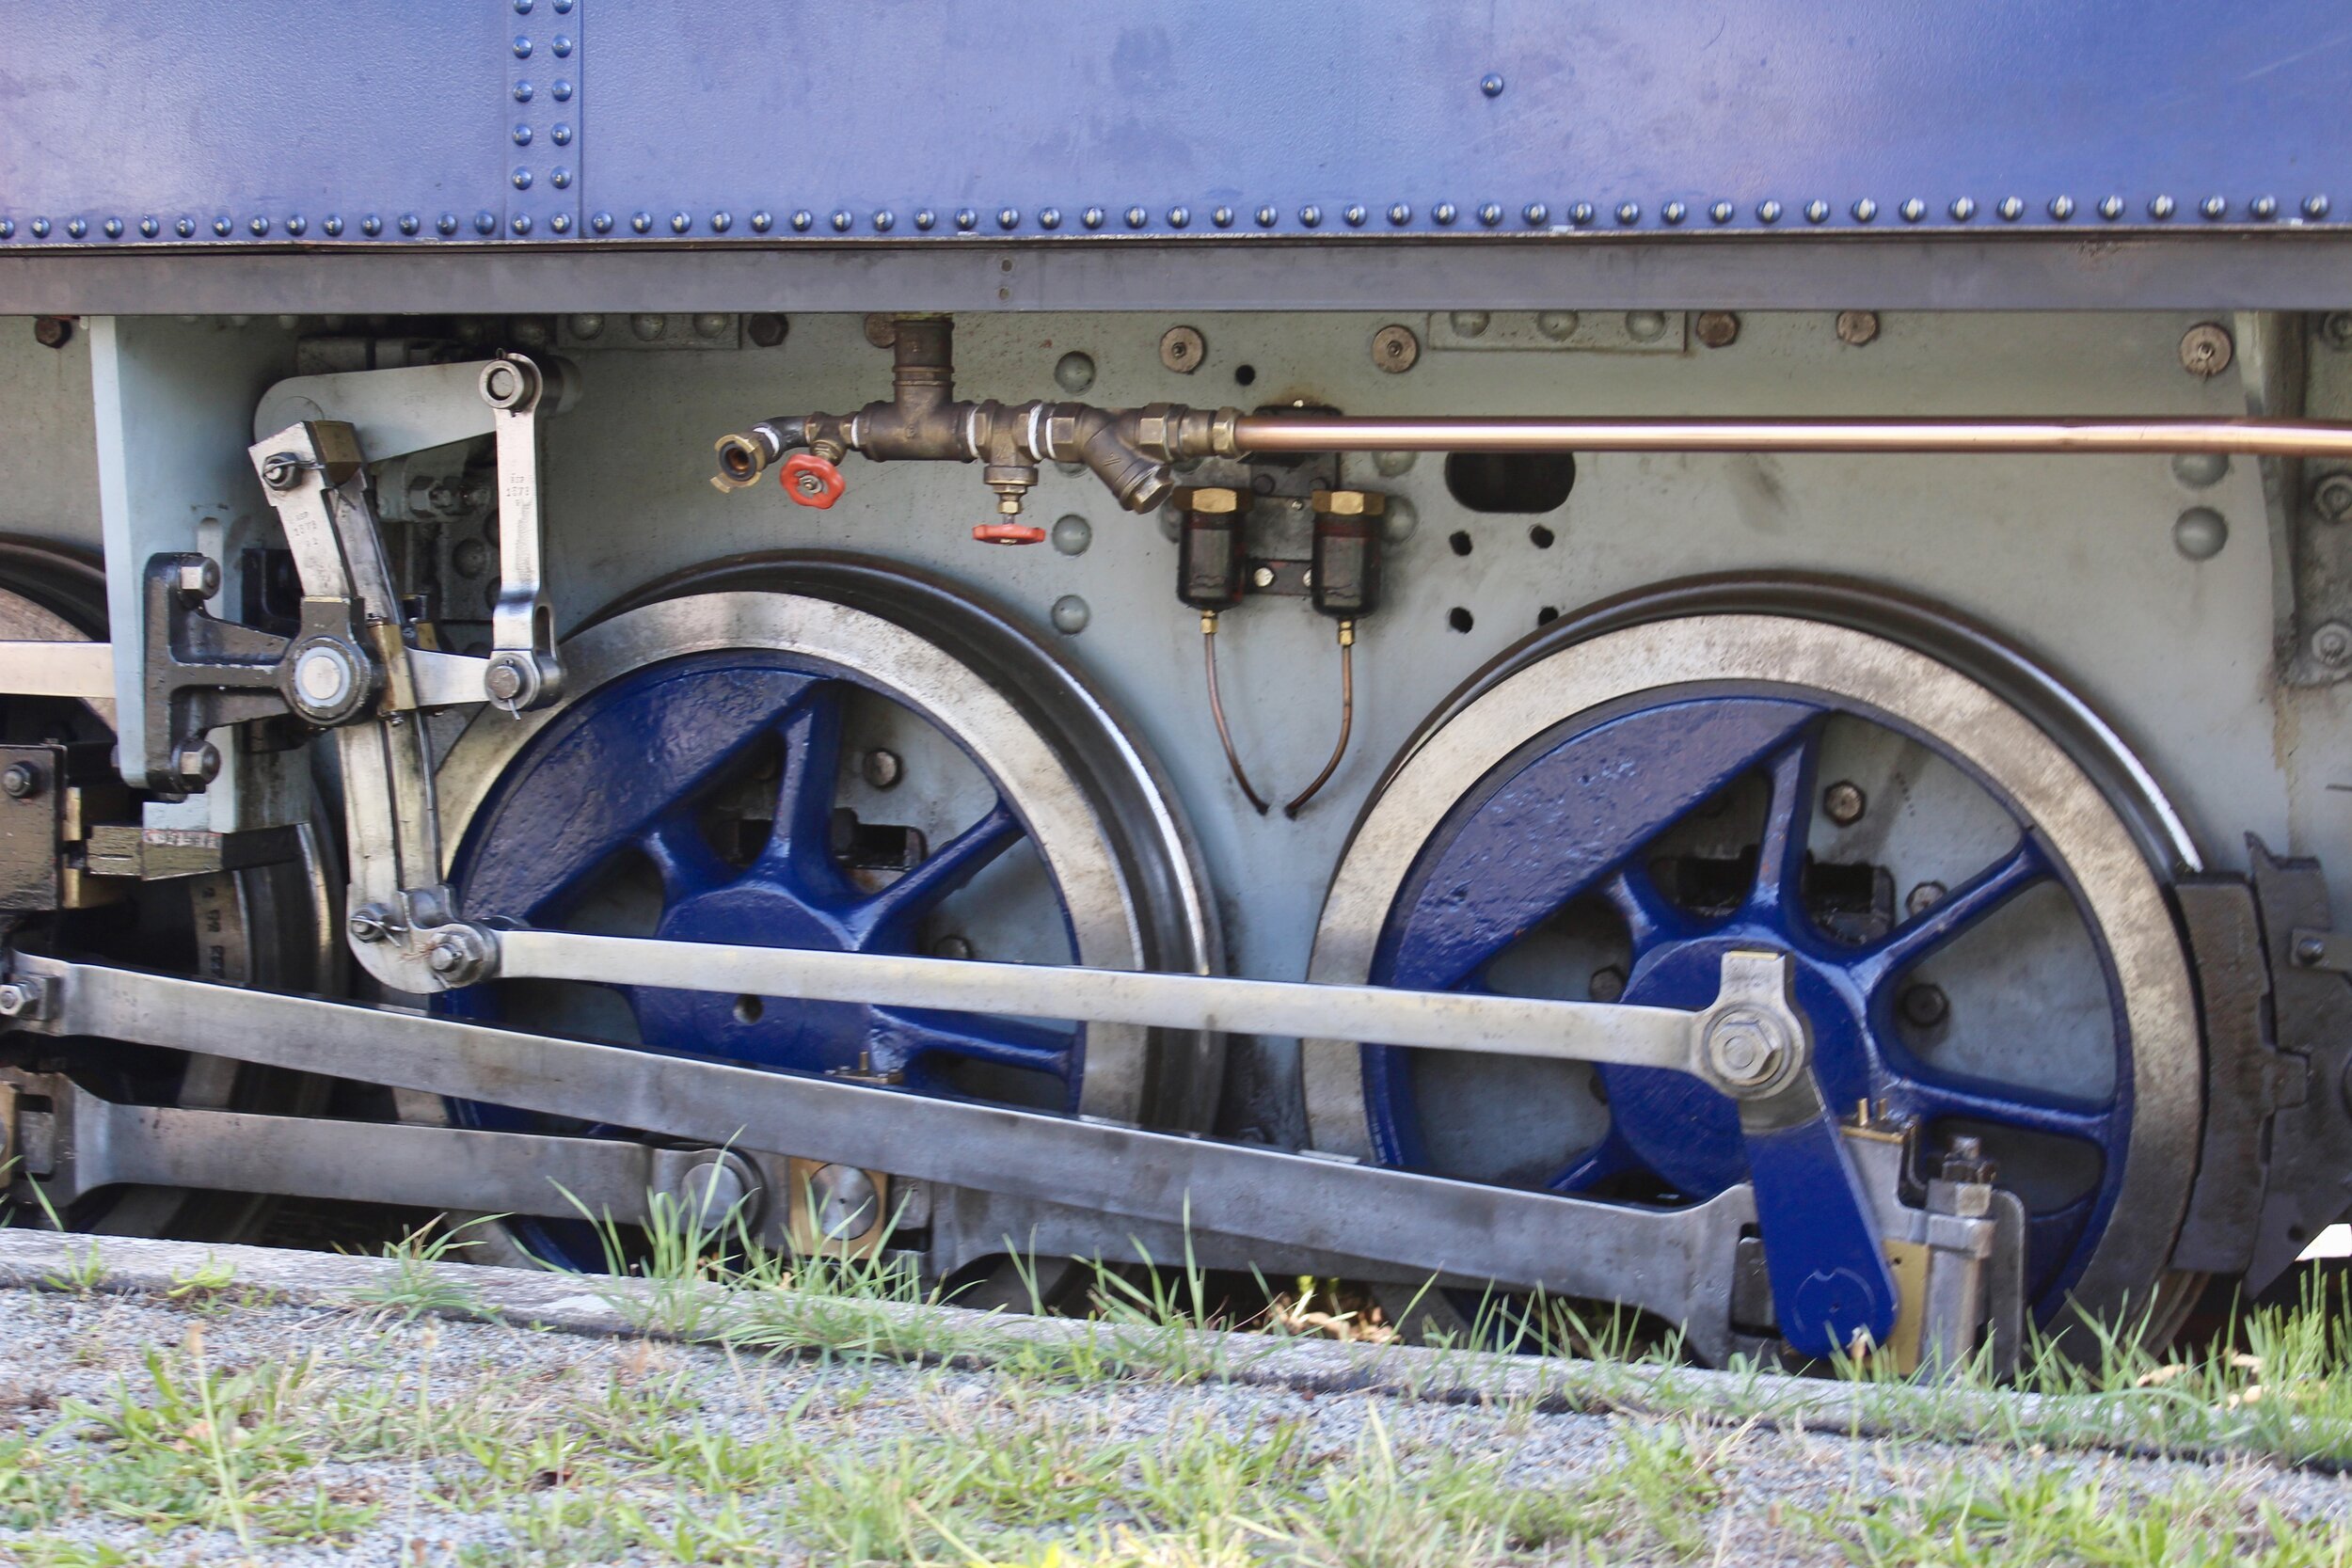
(641, 222)
(1643, 326)
(2314, 206)
(2061, 207)
(447, 223)
(722, 222)
(602, 222)
(2199, 532)
(1049, 217)
(520, 223)
(1092, 217)
(409, 224)
(1913, 210)
(1468, 324)
(1536, 215)
(1400, 214)
(1178, 216)
(1008, 218)
(1355, 215)
(1582, 214)
(1817, 211)
(2010, 208)
(149, 228)
(966, 219)
(221, 226)
(648, 327)
(882, 220)
(2214, 206)
(486, 223)
(1267, 217)
(522, 179)
(1222, 217)
(2111, 208)
(523, 92)
(1072, 534)
(522, 47)
(563, 8)
(295, 226)
(259, 226)
(7, 228)
(560, 176)
(76, 227)
(1962, 209)
(560, 223)
(840, 222)
(333, 227)
(114, 227)
(1673, 212)
(925, 219)
(1559, 326)
(185, 228)
(522, 7)
(1491, 85)
(1863, 210)
(1628, 211)
(563, 46)
(562, 91)
(2160, 208)
(1138, 218)
(801, 220)
(40, 226)
(1768, 211)
(2203, 470)
(1073, 372)
(1311, 217)
(1071, 615)
(1719, 211)
(1444, 213)
(1490, 214)
(2263, 207)
(522, 135)
(561, 136)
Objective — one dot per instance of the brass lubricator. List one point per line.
(1343, 579)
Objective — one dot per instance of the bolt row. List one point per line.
(965, 220)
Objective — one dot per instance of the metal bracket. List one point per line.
(524, 673)
(2310, 1177)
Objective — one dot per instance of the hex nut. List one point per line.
(1183, 349)
(13, 999)
(1212, 498)
(1394, 349)
(22, 780)
(2206, 350)
(1349, 503)
(200, 577)
(1716, 328)
(1857, 327)
(52, 331)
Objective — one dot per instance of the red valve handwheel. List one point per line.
(810, 480)
(1008, 533)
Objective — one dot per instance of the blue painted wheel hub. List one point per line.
(640, 768)
(1577, 813)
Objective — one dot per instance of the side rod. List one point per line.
(1673, 1262)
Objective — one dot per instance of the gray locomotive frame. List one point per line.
(2193, 602)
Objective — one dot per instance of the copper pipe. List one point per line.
(1273, 433)
(1217, 711)
(1347, 717)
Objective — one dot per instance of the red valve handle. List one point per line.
(810, 480)
(1008, 533)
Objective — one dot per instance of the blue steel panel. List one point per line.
(733, 119)
(261, 116)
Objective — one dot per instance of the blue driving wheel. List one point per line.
(735, 795)
(1959, 908)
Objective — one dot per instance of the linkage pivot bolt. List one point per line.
(200, 577)
(369, 923)
(198, 765)
(1746, 1049)
(22, 780)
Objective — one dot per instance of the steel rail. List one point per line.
(1259, 434)
(1675, 1262)
(1444, 1020)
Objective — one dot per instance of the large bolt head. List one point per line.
(198, 765)
(22, 780)
(14, 999)
(200, 577)
(1748, 1049)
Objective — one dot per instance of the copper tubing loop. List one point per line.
(1273, 433)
